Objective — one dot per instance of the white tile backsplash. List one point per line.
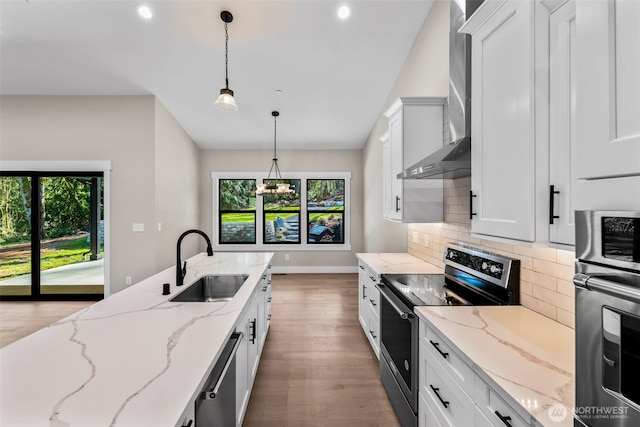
(546, 273)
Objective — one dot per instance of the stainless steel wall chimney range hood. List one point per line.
(454, 159)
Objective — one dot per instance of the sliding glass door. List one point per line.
(51, 236)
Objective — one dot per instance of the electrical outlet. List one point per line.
(127, 280)
(137, 227)
(415, 237)
(426, 239)
(286, 257)
(159, 226)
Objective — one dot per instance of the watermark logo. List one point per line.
(557, 412)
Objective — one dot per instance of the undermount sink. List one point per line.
(212, 288)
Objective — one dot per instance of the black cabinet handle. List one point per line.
(269, 299)
(504, 419)
(373, 302)
(361, 267)
(189, 423)
(397, 204)
(436, 345)
(372, 334)
(364, 293)
(471, 212)
(445, 403)
(253, 331)
(552, 192)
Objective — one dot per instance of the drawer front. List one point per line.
(373, 331)
(480, 420)
(440, 352)
(495, 409)
(426, 417)
(450, 405)
(373, 295)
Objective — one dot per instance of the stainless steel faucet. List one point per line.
(181, 270)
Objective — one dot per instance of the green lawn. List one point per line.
(69, 252)
(238, 217)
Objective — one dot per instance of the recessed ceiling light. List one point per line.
(145, 11)
(344, 12)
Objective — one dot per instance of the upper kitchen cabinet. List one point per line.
(608, 109)
(509, 119)
(562, 124)
(416, 129)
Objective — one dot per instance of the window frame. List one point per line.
(266, 212)
(220, 213)
(325, 211)
(304, 245)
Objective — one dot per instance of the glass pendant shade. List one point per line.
(225, 101)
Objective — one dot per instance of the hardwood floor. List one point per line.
(317, 368)
(21, 318)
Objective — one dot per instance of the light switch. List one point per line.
(137, 227)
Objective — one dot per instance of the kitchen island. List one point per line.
(133, 359)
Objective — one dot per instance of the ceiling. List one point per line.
(335, 75)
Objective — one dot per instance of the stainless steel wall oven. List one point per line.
(607, 319)
(471, 277)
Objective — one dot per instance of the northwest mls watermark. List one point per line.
(558, 412)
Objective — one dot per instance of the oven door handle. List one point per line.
(609, 287)
(403, 314)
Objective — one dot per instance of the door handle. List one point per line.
(436, 345)
(552, 192)
(397, 204)
(505, 420)
(471, 196)
(253, 331)
(445, 403)
(211, 394)
(403, 314)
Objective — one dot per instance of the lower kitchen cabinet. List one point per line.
(450, 392)
(248, 355)
(369, 305)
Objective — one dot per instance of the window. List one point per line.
(313, 217)
(237, 211)
(282, 216)
(325, 210)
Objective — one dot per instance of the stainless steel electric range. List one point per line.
(471, 277)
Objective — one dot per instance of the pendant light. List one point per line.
(277, 188)
(225, 101)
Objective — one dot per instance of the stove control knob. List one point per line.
(494, 269)
(484, 265)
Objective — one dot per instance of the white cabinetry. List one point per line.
(562, 123)
(451, 393)
(608, 43)
(388, 207)
(607, 110)
(415, 131)
(369, 305)
(254, 325)
(509, 84)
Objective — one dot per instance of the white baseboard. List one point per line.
(276, 269)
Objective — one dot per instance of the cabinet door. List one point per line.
(362, 297)
(562, 123)
(387, 199)
(502, 117)
(397, 165)
(608, 111)
(242, 374)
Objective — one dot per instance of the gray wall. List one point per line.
(290, 161)
(121, 129)
(176, 179)
(424, 73)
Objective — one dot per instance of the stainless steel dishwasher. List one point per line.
(216, 405)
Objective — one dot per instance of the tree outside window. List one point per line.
(325, 211)
(282, 215)
(237, 211)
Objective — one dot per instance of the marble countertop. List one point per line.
(133, 359)
(527, 355)
(397, 263)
